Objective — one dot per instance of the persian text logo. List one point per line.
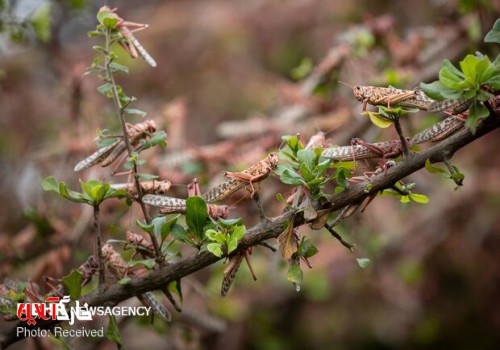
(54, 308)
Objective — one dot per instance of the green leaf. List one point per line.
(291, 178)
(404, 199)
(175, 287)
(116, 67)
(230, 222)
(477, 112)
(323, 167)
(493, 35)
(105, 89)
(149, 228)
(181, 234)
(238, 232)
(458, 177)
(232, 244)
(147, 263)
(158, 139)
(215, 236)
(341, 175)
(433, 169)
(135, 111)
(307, 156)
(469, 67)
(295, 273)
(50, 184)
(433, 90)
(163, 227)
(196, 215)
(73, 284)
(378, 120)
(110, 22)
(419, 198)
(446, 64)
(450, 80)
(307, 175)
(113, 332)
(307, 249)
(293, 142)
(363, 262)
(215, 249)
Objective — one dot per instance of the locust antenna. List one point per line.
(340, 81)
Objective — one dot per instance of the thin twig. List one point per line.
(97, 229)
(404, 142)
(120, 112)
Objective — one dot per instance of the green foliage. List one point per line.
(147, 263)
(113, 332)
(295, 274)
(408, 194)
(385, 117)
(305, 167)
(196, 216)
(467, 83)
(493, 35)
(455, 175)
(306, 249)
(73, 284)
(94, 192)
(224, 237)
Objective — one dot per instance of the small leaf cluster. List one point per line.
(305, 167)
(161, 227)
(405, 195)
(304, 251)
(224, 237)
(108, 28)
(474, 80)
(455, 174)
(93, 193)
(385, 116)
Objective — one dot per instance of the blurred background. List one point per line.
(232, 78)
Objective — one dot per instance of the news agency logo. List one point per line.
(55, 308)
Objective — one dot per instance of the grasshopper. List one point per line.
(148, 187)
(128, 41)
(236, 181)
(439, 131)
(170, 205)
(390, 96)
(119, 269)
(232, 268)
(108, 154)
(361, 150)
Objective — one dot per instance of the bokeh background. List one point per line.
(232, 78)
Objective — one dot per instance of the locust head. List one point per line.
(163, 187)
(361, 92)
(272, 160)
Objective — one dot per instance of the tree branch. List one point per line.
(273, 227)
